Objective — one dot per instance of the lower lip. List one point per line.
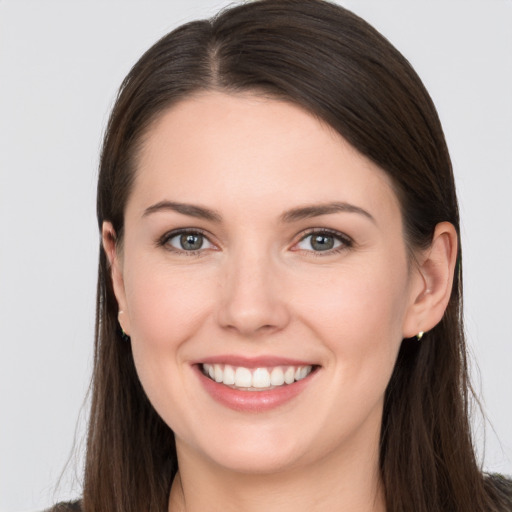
(252, 401)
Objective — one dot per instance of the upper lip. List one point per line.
(253, 362)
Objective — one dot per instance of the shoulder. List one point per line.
(499, 487)
(70, 506)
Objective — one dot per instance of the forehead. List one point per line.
(248, 148)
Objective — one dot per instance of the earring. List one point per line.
(125, 336)
(419, 335)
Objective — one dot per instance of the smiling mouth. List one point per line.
(255, 379)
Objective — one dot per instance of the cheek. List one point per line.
(167, 306)
(165, 302)
(359, 314)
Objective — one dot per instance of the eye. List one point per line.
(186, 241)
(323, 241)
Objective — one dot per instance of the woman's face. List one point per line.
(262, 249)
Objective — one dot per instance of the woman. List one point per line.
(279, 303)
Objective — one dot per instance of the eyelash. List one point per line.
(345, 241)
(164, 241)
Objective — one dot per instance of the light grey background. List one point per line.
(60, 65)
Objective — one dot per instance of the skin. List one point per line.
(258, 288)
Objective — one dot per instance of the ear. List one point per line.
(432, 282)
(111, 248)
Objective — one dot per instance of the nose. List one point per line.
(252, 296)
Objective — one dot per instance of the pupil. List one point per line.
(191, 242)
(322, 242)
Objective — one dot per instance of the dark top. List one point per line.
(502, 494)
(72, 506)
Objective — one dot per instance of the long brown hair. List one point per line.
(330, 62)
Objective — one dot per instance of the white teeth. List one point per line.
(243, 378)
(260, 378)
(257, 378)
(277, 377)
(218, 373)
(289, 375)
(229, 375)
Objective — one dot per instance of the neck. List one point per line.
(349, 481)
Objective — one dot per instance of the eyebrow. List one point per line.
(185, 209)
(294, 215)
(316, 210)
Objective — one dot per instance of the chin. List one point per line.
(248, 449)
(257, 460)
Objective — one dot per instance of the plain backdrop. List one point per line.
(60, 65)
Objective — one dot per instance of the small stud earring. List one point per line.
(125, 336)
(419, 335)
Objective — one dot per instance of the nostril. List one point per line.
(252, 317)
